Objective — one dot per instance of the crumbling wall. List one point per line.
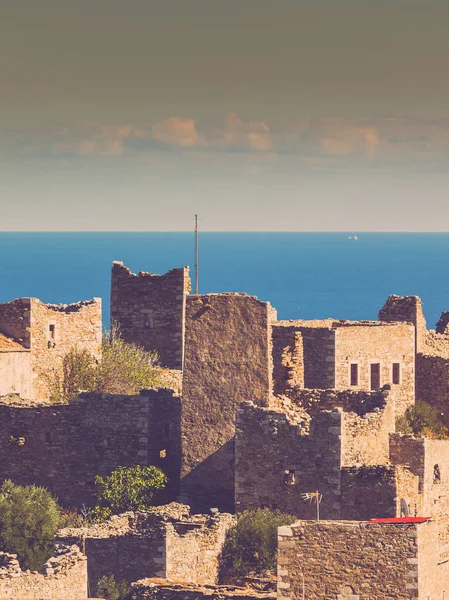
(288, 359)
(276, 463)
(227, 360)
(64, 446)
(166, 542)
(155, 589)
(406, 309)
(373, 343)
(365, 437)
(432, 383)
(319, 357)
(376, 492)
(15, 372)
(15, 320)
(366, 560)
(150, 310)
(64, 577)
(55, 330)
(437, 344)
(443, 323)
(193, 548)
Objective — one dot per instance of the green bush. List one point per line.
(251, 545)
(130, 488)
(29, 519)
(123, 368)
(109, 589)
(422, 420)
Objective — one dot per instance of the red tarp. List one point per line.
(401, 520)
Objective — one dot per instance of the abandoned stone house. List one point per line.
(35, 336)
(269, 410)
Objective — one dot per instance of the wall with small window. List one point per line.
(369, 356)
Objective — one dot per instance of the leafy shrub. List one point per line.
(123, 368)
(29, 519)
(422, 420)
(251, 545)
(109, 589)
(130, 488)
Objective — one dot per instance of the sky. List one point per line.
(295, 115)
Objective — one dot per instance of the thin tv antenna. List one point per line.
(196, 255)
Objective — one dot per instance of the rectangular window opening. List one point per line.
(52, 330)
(375, 376)
(354, 374)
(396, 373)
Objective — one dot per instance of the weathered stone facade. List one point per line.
(45, 333)
(227, 360)
(343, 355)
(155, 589)
(276, 463)
(15, 368)
(150, 310)
(363, 560)
(64, 446)
(64, 577)
(167, 542)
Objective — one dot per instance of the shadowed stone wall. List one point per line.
(227, 360)
(166, 542)
(150, 310)
(64, 446)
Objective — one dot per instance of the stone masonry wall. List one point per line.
(56, 329)
(15, 320)
(275, 463)
(167, 542)
(367, 344)
(227, 360)
(376, 492)
(406, 309)
(432, 383)
(429, 461)
(288, 359)
(64, 577)
(150, 310)
(148, 589)
(193, 548)
(64, 446)
(319, 357)
(365, 436)
(361, 560)
(15, 373)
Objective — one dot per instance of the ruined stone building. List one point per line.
(269, 410)
(34, 337)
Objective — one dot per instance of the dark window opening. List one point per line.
(436, 474)
(354, 374)
(289, 477)
(375, 376)
(396, 373)
(52, 330)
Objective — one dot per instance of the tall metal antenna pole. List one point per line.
(196, 255)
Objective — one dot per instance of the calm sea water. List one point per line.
(303, 275)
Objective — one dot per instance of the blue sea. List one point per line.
(303, 275)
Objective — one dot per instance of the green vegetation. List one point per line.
(109, 589)
(251, 545)
(123, 368)
(29, 519)
(128, 488)
(422, 420)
